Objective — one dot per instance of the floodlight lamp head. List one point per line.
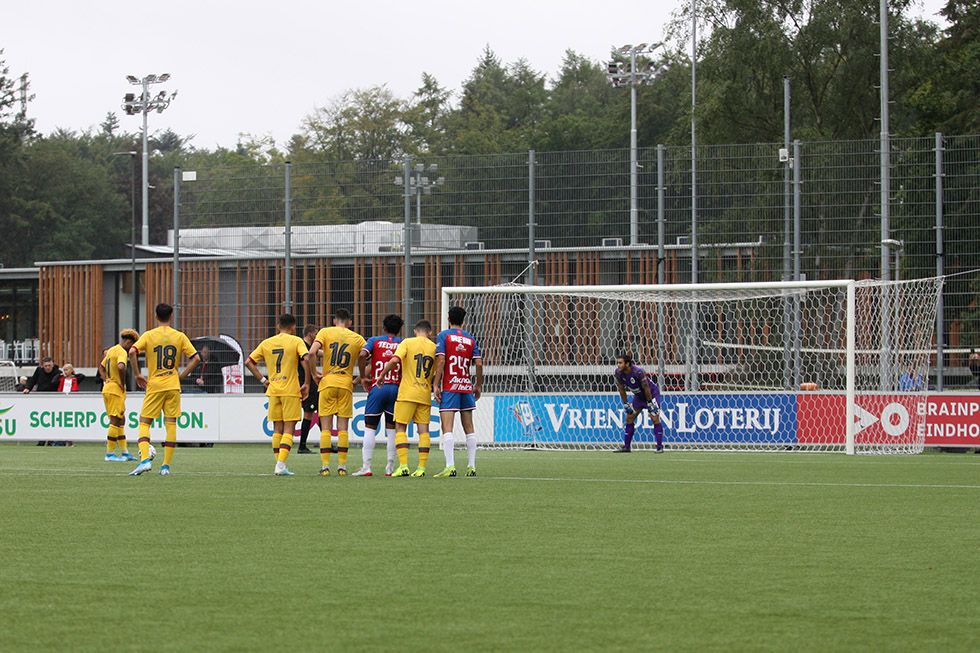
(641, 47)
(151, 79)
(399, 181)
(419, 167)
(440, 181)
(164, 77)
(433, 167)
(625, 49)
(132, 80)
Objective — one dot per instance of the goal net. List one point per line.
(8, 376)
(802, 366)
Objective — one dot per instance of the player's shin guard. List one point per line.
(425, 441)
(401, 447)
(448, 442)
(276, 443)
(285, 446)
(471, 449)
(343, 441)
(171, 443)
(658, 434)
(112, 439)
(367, 453)
(324, 448)
(144, 441)
(628, 438)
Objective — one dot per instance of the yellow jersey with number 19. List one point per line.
(418, 357)
(340, 349)
(163, 347)
(282, 354)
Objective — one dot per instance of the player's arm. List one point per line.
(622, 396)
(389, 366)
(362, 358)
(315, 349)
(254, 369)
(195, 359)
(478, 386)
(134, 353)
(647, 390)
(437, 376)
(304, 390)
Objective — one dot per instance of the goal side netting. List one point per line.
(801, 366)
(8, 376)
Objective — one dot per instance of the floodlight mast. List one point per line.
(619, 77)
(144, 104)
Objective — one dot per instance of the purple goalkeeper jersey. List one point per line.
(633, 382)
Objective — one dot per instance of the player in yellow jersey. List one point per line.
(417, 357)
(163, 347)
(283, 354)
(340, 347)
(112, 369)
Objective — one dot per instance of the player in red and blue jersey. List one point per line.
(646, 395)
(381, 399)
(455, 389)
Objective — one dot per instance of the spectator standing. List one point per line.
(69, 380)
(46, 377)
(975, 365)
(210, 379)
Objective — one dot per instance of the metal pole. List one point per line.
(146, 165)
(634, 207)
(532, 273)
(885, 174)
(940, 262)
(176, 243)
(797, 248)
(787, 215)
(407, 297)
(692, 381)
(132, 241)
(288, 294)
(661, 265)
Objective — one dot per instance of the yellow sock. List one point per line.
(285, 446)
(401, 447)
(276, 440)
(424, 442)
(111, 439)
(144, 441)
(342, 444)
(121, 440)
(171, 443)
(324, 447)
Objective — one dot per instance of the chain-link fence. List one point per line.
(480, 220)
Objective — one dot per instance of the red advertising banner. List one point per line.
(953, 420)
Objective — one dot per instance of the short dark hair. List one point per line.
(310, 328)
(393, 324)
(342, 314)
(627, 358)
(456, 315)
(423, 325)
(164, 311)
(287, 320)
(46, 359)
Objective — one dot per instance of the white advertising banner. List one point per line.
(80, 417)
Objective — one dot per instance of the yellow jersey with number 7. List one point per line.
(282, 354)
(163, 347)
(418, 357)
(340, 349)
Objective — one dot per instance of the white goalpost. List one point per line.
(779, 366)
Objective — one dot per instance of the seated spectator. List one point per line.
(46, 377)
(910, 381)
(21, 384)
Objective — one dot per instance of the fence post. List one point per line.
(797, 251)
(661, 264)
(407, 299)
(288, 294)
(532, 274)
(940, 262)
(176, 298)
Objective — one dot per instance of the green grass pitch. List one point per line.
(541, 551)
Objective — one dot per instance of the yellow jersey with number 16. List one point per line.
(163, 347)
(340, 349)
(418, 357)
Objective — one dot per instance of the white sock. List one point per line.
(392, 453)
(447, 446)
(280, 465)
(367, 453)
(471, 449)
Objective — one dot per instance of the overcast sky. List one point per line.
(260, 67)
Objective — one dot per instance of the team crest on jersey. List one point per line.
(460, 347)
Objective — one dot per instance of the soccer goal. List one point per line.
(780, 366)
(8, 376)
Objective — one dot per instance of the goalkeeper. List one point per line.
(646, 395)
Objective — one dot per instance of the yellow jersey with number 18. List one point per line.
(340, 349)
(282, 354)
(163, 347)
(418, 357)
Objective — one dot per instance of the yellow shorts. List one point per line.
(285, 409)
(336, 401)
(115, 405)
(168, 401)
(409, 411)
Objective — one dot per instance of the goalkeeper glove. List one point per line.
(629, 408)
(653, 411)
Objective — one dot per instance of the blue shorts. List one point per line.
(381, 399)
(457, 401)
